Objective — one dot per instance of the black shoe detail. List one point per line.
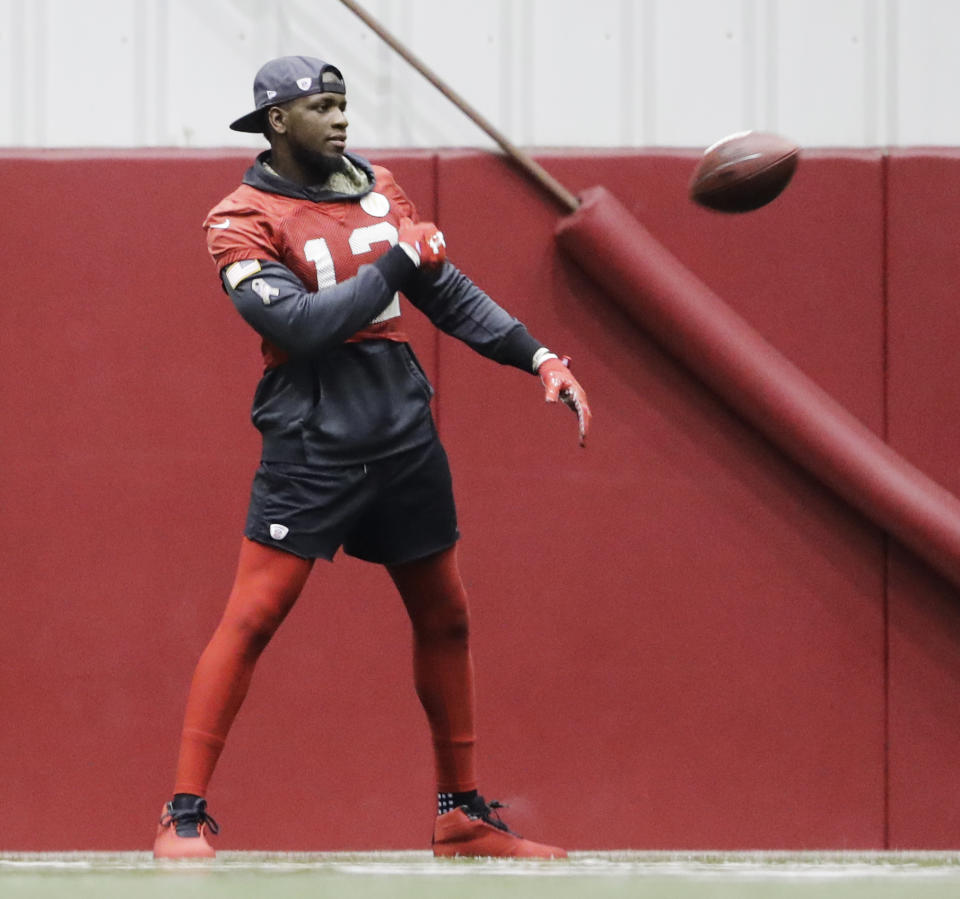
(478, 807)
(187, 821)
(447, 802)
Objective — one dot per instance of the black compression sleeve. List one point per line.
(517, 348)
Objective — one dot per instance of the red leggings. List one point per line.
(267, 585)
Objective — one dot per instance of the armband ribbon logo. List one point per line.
(263, 290)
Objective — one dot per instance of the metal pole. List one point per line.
(559, 193)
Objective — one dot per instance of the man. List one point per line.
(312, 248)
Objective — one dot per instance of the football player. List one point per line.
(313, 249)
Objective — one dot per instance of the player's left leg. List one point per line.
(436, 601)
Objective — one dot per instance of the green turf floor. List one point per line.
(416, 875)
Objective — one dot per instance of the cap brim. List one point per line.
(252, 122)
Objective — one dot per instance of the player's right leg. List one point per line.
(267, 585)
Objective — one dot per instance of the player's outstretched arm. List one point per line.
(458, 307)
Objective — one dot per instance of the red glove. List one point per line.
(560, 384)
(425, 240)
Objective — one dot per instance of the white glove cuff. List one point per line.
(541, 356)
(411, 251)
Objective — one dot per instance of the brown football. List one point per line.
(744, 171)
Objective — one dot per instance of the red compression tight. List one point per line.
(267, 585)
(436, 602)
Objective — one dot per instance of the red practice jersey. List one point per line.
(321, 242)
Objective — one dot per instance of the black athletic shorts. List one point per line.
(393, 510)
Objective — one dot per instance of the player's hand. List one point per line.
(425, 240)
(561, 385)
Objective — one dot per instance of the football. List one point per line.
(744, 171)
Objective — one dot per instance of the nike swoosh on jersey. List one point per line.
(224, 224)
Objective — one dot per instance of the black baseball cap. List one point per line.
(287, 78)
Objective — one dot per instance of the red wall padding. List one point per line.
(681, 638)
(923, 401)
(683, 604)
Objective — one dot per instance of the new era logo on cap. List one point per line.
(287, 78)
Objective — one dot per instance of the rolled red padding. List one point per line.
(693, 324)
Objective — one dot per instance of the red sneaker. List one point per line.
(182, 833)
(476, 830)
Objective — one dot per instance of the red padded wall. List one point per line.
(694, 627)
(924, 396)
(680, 636)
(126, 461)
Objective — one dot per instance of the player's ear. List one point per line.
(276, 120)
